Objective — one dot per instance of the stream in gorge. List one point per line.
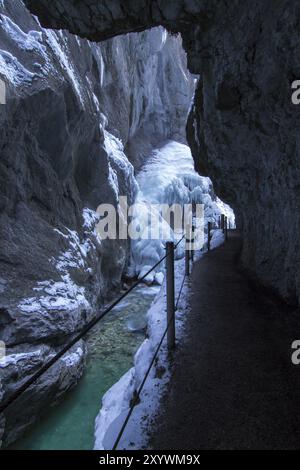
(111, 348)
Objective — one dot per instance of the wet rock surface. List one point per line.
(47, 391)
(243, 126)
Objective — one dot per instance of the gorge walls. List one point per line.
(69, 101)
(77, 116)
(243, 128)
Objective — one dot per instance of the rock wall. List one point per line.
(243, 128)
(69, 102)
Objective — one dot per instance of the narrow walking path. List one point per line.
(234, 385)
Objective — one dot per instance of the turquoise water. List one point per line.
(111, 345)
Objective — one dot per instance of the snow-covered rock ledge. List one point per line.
(116, 402)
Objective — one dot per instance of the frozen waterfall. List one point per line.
(169, 177)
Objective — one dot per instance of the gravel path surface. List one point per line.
(233, 385)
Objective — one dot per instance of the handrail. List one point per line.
(73, 341)
(136, 398)
(86, 329)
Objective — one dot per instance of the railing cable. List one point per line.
(180, 291)
(71, 343)
(176, 245)
(136, 398)
(85, 330)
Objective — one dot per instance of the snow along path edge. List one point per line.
(116, 401)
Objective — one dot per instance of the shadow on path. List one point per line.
(233, 385)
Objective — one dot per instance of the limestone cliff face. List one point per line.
(69, 102)
(244, 132)
(243, 128)
(147, 90)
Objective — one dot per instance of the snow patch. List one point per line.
(62, 295)
(73, 358)
(118, 164)
(13, 359)
(90, 218)
(58, 43)
(76, 255)
(31, 41)
(114, 402)
(13, 70)
(66, 295)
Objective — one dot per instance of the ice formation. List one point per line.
(169, 177)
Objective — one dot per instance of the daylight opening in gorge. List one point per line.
(149, 196)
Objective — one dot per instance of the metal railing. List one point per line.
(169, 330)
(77, 337)
(171, 308)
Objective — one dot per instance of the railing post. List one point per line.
(226, 229)
(187, 250)
(223, 222)
(192, 241)
(208, 235)
(170, 294)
